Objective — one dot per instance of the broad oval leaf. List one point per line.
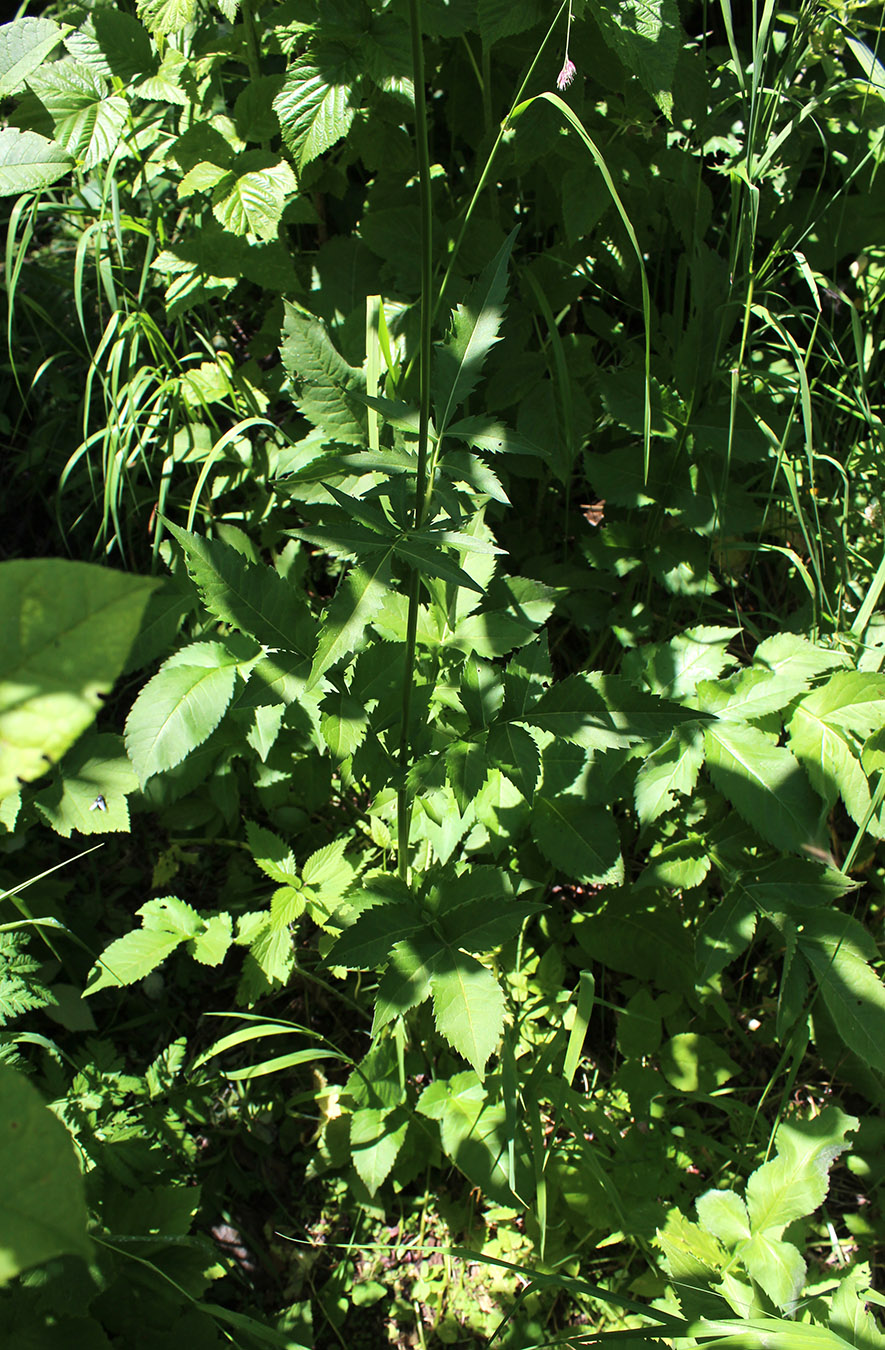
(29, 162)
(43, 1204)
(68, 628)
(24, 45)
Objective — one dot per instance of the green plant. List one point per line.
(556, 826)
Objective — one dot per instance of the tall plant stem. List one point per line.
(403, 803)
(253, 52)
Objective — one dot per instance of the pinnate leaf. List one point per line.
(359, 597)
(579, 839)
(468, 1005)
(765, 785)
(475, 327)
(254, 599)
(180, 707)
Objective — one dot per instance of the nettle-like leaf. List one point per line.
(24, 46)
(113, 43)
(326, 379)
(163, 17)
(29, 162)
(251, 200)
(314, 111)
(646, 35)
(180, 707)
(475, 325)
(89, 794)
(252, 598)
(89, 121)
(167, 923)
(376, 1138)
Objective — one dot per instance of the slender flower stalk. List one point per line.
(403, 804)
(569, 70)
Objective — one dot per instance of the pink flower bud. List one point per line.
(566, 75)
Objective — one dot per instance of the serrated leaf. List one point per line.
(526, 678)
(777, 1267)
(468, 1005)
(29, 162)
(481, 692)
(112, 42)
(646, 36)
(90, 792)
(252, 200)
(795, 1183)
(271, 854)
(358, 599)
(673, 669)
(478, 927)
(178, 710)
(515, 752)
(852, 699)
(131, 958)
(313, 113)
(725, 934)
(580, 840)
(252, 598)
(425, 555)
(475, 325)
(326, 379)
(210, 947)
(601, 712)
(827, 756)
(375, 1143)
(839, 950)
(495, 438)
(344, 723)
(679, 864)
(724, 1214)
(406, 982)
(670, 771)
(503, 18)
(327, 870)
(24, 45)
(765, 785)
(166, 16)
(466, 770)
(89, 122)
(367, 943)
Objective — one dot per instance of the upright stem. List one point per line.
(253, 51)
(403, 803)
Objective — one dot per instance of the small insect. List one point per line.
(99, 804)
